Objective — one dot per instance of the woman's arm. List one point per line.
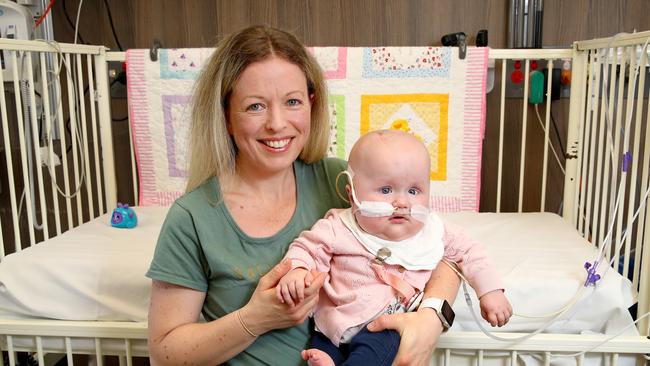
(176, 337)
(420, 330)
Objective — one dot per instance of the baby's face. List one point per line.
(396, 172)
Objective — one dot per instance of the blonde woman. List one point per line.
(258, 176)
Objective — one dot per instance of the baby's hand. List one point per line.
(495, 308)
(291, 287)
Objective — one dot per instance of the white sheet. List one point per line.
(96, 272)
(92, 272)
(541, 260)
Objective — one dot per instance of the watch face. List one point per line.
(448, 312)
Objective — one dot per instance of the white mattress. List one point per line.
(92, 272)
(96, 272)
(541, 260)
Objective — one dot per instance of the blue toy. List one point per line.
(124, 217)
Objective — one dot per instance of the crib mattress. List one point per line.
(541, 258)
(96, 272)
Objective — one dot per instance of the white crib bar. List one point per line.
(635, 157)
(584, 147)
(68, 351)
(10, 348)
(23, 158)
(572, 210)
(617, 173)
(593, 158)
(36, 145)
(547, 141)
(39, 351)
(64, 155)
(84, 131)
(10, 169)
(93, 120)
(98, 352)
(625, 148)
(74, 124)
(108, 157)
(47, 111)
(501, 123)
(597, 228)
(524, 124)
(643, 231)
(609, 188)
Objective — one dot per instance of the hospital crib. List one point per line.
(605, 184)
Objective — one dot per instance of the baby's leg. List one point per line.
(373, 348)
(323, 352)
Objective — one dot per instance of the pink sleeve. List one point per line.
(471, 258)
(313, 248)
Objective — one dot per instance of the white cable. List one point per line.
(539, 119)
(553, 316)
(608, 238)
(634, 217)
(603, 342)
(63, 63)
(76, 24)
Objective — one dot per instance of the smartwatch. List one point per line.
(442, 308)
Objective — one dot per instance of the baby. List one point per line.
(379, 254)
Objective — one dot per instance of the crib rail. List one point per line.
(57, 170)
(125, 340)
(128, 340)
(611, 139)
(603, 75)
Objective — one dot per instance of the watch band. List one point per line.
(442, 308)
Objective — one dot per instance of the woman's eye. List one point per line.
(413, 191)
(294, 102)
(255, 107)
(385, 190)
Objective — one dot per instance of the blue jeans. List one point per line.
(365, 348)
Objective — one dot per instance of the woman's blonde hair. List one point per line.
(211, 149)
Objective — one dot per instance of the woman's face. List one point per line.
(269, 115)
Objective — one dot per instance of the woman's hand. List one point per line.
(264, 312)
(419, 332)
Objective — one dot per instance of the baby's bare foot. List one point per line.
(316, 357)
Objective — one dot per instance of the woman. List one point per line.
(257, 178)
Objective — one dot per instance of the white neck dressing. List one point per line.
(423, 251)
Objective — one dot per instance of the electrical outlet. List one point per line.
(516, 90)
(45, 157)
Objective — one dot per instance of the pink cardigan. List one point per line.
(352, 293)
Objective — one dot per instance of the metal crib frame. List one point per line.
(593, 175)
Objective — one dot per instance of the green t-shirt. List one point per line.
(201, 247)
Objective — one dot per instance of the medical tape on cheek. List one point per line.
(368, 208)
(383, 209)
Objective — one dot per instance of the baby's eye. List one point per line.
(385, 190)
(413, 191)
(294, 102)
(255, 107)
